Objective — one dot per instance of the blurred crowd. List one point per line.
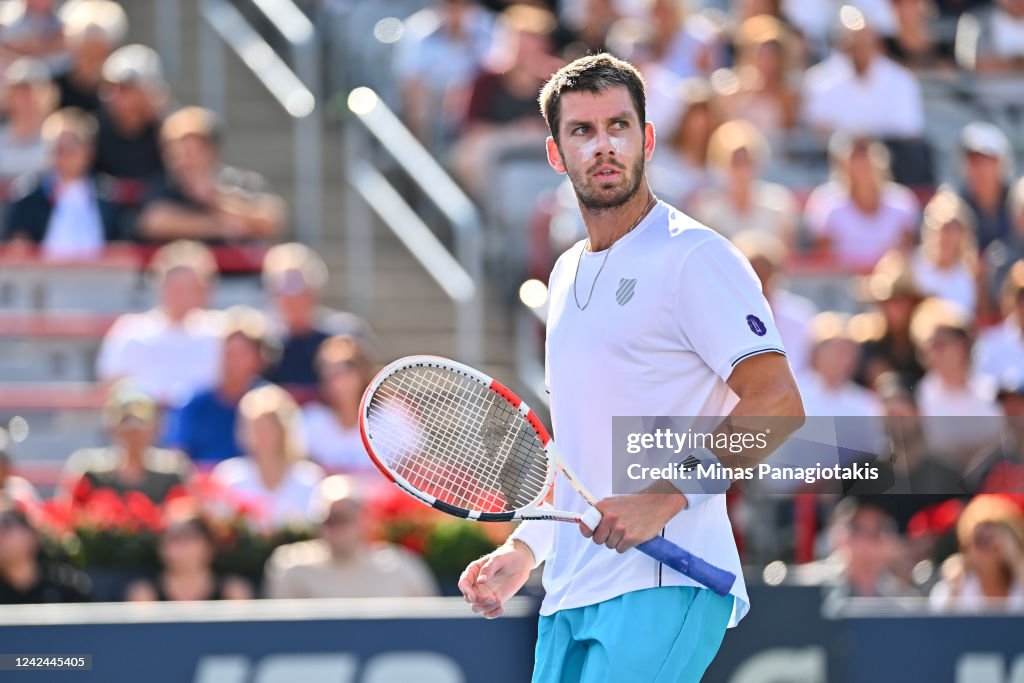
(260, 407)
(93, 149)
(800, 131)
(745, 97)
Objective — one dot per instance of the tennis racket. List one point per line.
(461, 442)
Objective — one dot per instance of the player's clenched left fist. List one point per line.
(488, 582)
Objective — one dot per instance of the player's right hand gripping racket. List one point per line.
(461, 442)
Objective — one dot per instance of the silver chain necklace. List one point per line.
(605, 259)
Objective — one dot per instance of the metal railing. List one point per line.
(459, 276)
(167, 35)
(297, 93)
(530, 322)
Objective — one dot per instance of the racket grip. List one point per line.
(591, 518)
(660, 548)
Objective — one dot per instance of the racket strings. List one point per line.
(454, 438)
(453, 482)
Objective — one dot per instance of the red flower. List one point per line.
(143, 510)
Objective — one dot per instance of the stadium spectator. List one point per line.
(760, 86)
(174, 349)
(1000, 259)
(1000, 349)
(1001, 469)
(33, 30)
(986, 158)
(860, 214)
(813, 22)
(951, 388)
(866, 547)
(688, 45)
(201, 198)
(92, 30)
(15, 492)
(859, 90)
(680, 168)
(990, 40)
(592, 27)
(946, 263)
(134, 94)
(502, 109)
(274, 476)
(188, 547)
(61, 210)
(26, 576)
(911, 42)
(295, 278)
(27, 100)
(885, 332)
(441, 50)
(632, 40)
(331, 428)
(989, 570)
(741, 201)
(793, 313)
(131, 462)
(341, 563)
(206, 426)
(915, 469)
(827, 388)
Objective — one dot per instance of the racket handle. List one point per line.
(667, 552)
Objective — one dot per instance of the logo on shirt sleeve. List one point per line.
(756, 326)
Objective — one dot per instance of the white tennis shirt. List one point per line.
(674, 310)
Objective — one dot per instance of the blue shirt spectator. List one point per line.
(205, 426)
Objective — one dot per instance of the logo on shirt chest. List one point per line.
(627, 287)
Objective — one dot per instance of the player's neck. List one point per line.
(607, 226)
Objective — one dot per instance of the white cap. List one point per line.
(985, 138)
(136, 64)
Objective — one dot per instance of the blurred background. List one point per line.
(220, 217)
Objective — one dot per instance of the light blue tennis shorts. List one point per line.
(658, 635)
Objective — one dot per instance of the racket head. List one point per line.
(456, 439)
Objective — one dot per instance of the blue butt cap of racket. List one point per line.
(718, 580)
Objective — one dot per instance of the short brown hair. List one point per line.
(593, 74)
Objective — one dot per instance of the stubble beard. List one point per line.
(592, 201)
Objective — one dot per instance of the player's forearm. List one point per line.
(534, 538)
(769, 414)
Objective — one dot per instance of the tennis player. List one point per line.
(653, 314)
